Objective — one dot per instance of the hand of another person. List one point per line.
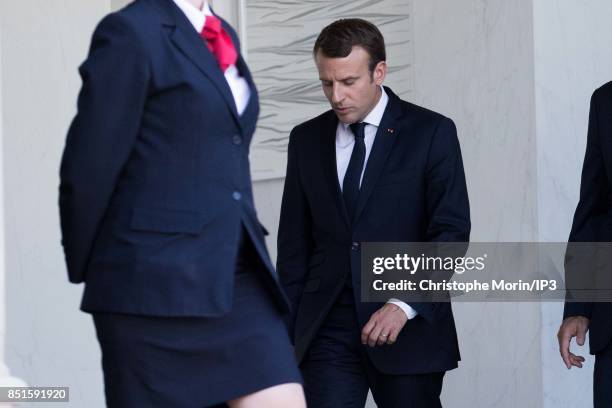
(574, 326)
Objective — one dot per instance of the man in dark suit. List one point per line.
(374, 168)
(593, 223)
(158, 218)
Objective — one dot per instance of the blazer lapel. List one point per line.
(242, 66)
(328, 143)
(188, 41)
(388, 131)
(249, 116)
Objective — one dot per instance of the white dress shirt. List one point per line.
(238, 85)
(345, 141)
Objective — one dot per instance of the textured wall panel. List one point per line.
(278, 42)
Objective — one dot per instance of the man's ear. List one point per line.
(380, 72)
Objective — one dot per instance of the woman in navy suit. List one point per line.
(158, 218)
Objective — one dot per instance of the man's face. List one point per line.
(348, 84)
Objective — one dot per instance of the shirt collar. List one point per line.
(375, 116)
(345, 138)
(196, 17)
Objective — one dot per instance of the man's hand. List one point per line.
(574, 326)
(384, 326)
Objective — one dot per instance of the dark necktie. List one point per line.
(350, 185)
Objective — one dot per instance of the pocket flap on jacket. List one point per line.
(169, 221)
(312, 285)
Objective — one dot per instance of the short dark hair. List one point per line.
(338, 39)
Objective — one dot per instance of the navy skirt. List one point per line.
(199, 362)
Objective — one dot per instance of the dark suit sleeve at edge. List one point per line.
(447, 203)
(593, 204)
(101, 136)
(448, 207)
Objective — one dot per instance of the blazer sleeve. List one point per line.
(593, 204)
(446, 196)
(295, 242)
(448, 207)
(115, 78)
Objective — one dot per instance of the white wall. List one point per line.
(230, 10)
(4, 370)
(474, 62)
(48, 340)
(572, 58)
(117, 4)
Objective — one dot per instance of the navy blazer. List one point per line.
(413, 190)
(592, 219)
(155, 179)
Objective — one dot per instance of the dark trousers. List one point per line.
(338, 373)
(602, 378)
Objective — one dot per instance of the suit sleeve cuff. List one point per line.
(409, 311)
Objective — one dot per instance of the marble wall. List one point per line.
(117, 4)
(48, 340)
(572, 58)
(474, 62)
(279, 50)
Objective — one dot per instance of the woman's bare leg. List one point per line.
(289, 395)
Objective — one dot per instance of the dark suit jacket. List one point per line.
(413, 190)
(592, 219)
(155, 179)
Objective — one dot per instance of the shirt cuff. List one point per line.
(409, 311)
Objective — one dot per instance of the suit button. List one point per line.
(237, 140)
(355, 246)
(236, 195)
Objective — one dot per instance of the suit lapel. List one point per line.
(188, 41)
(388, 131)
(328, 136)
(251, 112)
(241, 64)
